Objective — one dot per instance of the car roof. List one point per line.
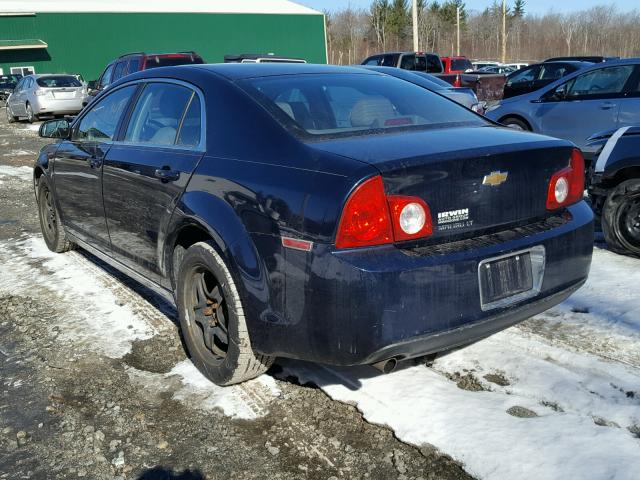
(238, 71)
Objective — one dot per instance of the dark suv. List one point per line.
(135, 62)
(420, 61)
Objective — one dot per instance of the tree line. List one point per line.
(355, 33)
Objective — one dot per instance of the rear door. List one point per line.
(15, 101)
(145, 174)
(77, 169)
(590, 104)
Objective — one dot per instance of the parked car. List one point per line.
(7, 85)
(463, 96)
(419, 61)
(135, 62)
(36, 96)
(456, 64)
(516, 65)
(597, 98)
(535, 77)
(583, 58)
(499, 69)
(478, 64)
(614, 186)
(315, 212)
(261, 58)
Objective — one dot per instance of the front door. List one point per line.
(589, 103)
(78, 168)
(145, 174)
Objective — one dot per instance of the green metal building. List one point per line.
(82, 36)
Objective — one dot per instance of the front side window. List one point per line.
(526, 75)
(408, 62)
(101, 122)
(553, 72)
(106, 76)
(158, 114)
(434, 65)
(603, 81)
(354, 104)
(390, 60)
(373, 61)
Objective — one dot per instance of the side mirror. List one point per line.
(59, 128)
(560, 92)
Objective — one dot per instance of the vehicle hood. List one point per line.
(380, 150)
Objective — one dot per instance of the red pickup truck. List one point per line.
(456, 64)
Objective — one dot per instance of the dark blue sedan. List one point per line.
(329, 214)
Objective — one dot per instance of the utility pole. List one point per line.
(458, 31)
(504, 31)
(416, 42)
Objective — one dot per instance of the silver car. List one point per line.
(45, 95)
(604, 96)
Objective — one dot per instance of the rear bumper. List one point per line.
(50, 106)
(363, 306)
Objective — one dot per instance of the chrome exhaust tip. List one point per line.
(386, 366)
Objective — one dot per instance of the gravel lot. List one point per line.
(95, 382)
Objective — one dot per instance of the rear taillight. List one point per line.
(566, 187)
(372, 218)
(457, 82)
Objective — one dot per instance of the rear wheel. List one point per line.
(52, 230)
(31, 117)
(212, 319)
(515, 123)
(621, 218)
(10, 117)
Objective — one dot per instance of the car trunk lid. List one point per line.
(475, 180)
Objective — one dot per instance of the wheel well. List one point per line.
(187, 236)
(516, 117)
(623, 174)
(37, 173)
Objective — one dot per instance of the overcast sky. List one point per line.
(533, 6)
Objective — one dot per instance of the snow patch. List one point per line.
(94, 320)
(17, 153)
(21, 173)
(247, 401)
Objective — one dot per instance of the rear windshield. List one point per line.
(461, 64)
(354, 104)
(171, 61)
(59, 81)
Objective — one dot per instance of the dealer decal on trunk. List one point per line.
(454, 219)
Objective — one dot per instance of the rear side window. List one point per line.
(461, 64)
(171, 60)
(354, 104)
(100, 123)
(526, 75)
(434, 65)
(408, 62)
(59, 81)
(190, 130)
(158, 114)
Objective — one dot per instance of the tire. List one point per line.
(31, 117)
(10, 117)
(516, 124)
(210, 310)
(621, 218)
(52, 229)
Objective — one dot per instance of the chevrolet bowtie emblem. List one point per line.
(495, 178)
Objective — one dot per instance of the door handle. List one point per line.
(166, 174)
(607, 106)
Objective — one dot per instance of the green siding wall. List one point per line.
(85, 42)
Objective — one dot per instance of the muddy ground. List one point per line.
(83, 397)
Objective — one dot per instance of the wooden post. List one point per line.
(504, 31)
(458, 31)
(416, 42)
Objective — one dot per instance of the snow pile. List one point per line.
(572, 413)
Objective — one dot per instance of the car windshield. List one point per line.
(58, 81)
(9, 81)
(171, 60)
(354, 104)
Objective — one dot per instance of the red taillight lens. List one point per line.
(566, 187)
(371, 218)
(457, 82)
(365, 219)
(410, 216)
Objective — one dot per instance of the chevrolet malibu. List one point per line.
(45, 95)
(322, 213)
